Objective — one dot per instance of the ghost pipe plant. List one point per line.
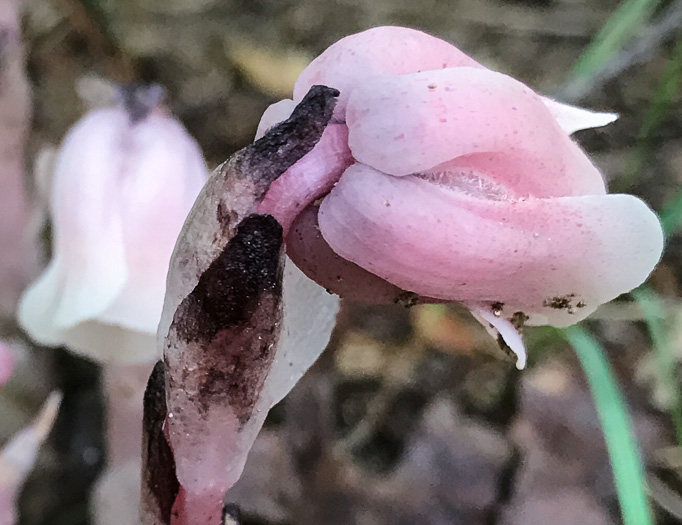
(124, 181)
(432, 179)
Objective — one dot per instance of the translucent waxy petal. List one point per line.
(226, 357)
(274, 114)
(573, 118)
(378, 51)
(124, 182)
(415, 123)
(158, 189)
(309, 318)
(88, 232)
(554, 260)
(498, 325)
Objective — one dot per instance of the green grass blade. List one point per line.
(665, 358)
(622, 24)
(626, 462)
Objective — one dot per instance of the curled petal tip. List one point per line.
(573, 118)
(500, 327)
(19, 455)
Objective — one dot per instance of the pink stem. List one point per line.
(205, 508)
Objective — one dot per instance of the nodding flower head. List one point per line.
(440, 179)
(125, 180)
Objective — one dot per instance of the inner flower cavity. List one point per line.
(469, 181)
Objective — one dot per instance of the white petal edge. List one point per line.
(309, 318)
(510, 334)
(573, 118)
(273, 115)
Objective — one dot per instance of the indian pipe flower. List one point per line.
(440, 179)
(124, 181)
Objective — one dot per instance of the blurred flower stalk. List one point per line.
(18, 259)
(18, 253)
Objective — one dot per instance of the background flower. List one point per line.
(124, 181)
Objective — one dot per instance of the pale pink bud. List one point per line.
(456, 183)
(125, 179)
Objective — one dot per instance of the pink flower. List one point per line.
(456, 183)
(124, 182)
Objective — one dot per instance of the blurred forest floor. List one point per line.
(411, 416)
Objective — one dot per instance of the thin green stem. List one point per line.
(621, 443)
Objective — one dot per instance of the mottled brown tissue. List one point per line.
(233, 316)
(222, 315)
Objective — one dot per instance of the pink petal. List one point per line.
(573, 118)
(414, 123)
(378, 51)
(120, 195)
(310, 178)
(554, 259)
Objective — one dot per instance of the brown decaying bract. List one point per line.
(222, 321)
